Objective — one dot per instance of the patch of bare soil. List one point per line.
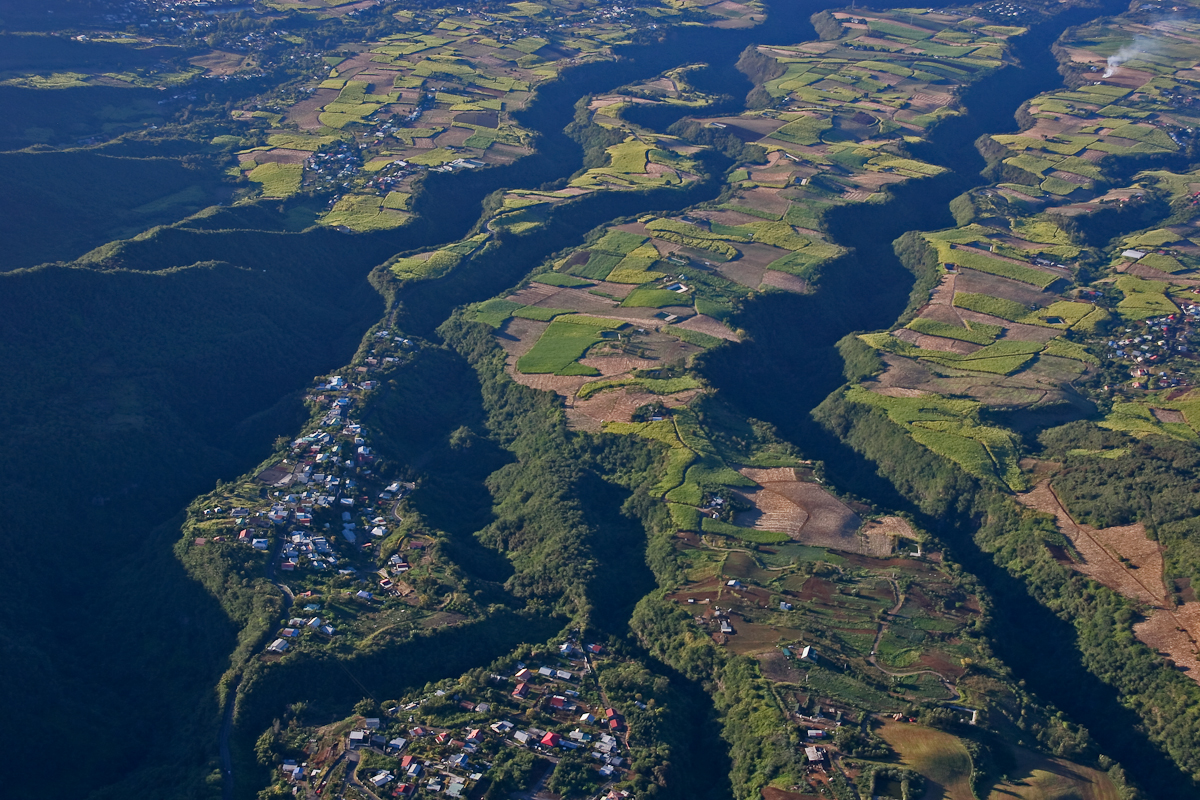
(895, 527)
(744, 272)
(896, 391)
(278, 156)
(540, 294)
(767, 200)
(218, 62)
(970, 280)
(305, 113)
(611, 366)
(782, 280)
(804, 511)
(453, 137)
(777, 667)
(618, 405)
(1121, 558)
(518, 335)
(1168, 415)
(1175, 634)
(705, 324)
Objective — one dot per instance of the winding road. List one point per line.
(883, 626)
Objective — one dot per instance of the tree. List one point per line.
(265, 748)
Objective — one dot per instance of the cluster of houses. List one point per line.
(334, 166)
(451, 761)
(1153, 351)
(328, 473)
(294, 628)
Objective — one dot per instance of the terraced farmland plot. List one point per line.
(806, 512)
(563, 343)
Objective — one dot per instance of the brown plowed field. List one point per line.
(782, 280)
(617, 365)
(565, 385)
(769, 475)
(618, 405)
(706, 324)
(776, 667)
(970, 280)
(277, 156)
(1172, 631)
(744, 272)
(518, 335)
(804, 511)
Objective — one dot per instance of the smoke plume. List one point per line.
(1139, 46)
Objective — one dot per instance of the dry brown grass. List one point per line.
(885, 530)
(1037, 777)
(938, 756)
(1175, 633)
(1102, 550)
(1126, 561)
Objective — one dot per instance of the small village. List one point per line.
(1160, 353)
(559, 711)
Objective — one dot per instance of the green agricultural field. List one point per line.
(804, 130)
(995, 306)
(629, 156)
(560, 279)
(494, 312)
(663, 432)
(598, 266)
(678, 460)
(299, 141)
(953, 429)
(977, 333)
(849, 690)
(278, 180)
(1163, 263)
(1143, 298)
(646, 297)
(398, 201)
(620, 242)
(709, 525)
(655, 385)
(563, 343)
(1072, 350)
(985, 262)
(694, 337)
(434, 158)
(364, 213)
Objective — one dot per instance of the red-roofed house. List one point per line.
(521, 690)
(551, 739)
